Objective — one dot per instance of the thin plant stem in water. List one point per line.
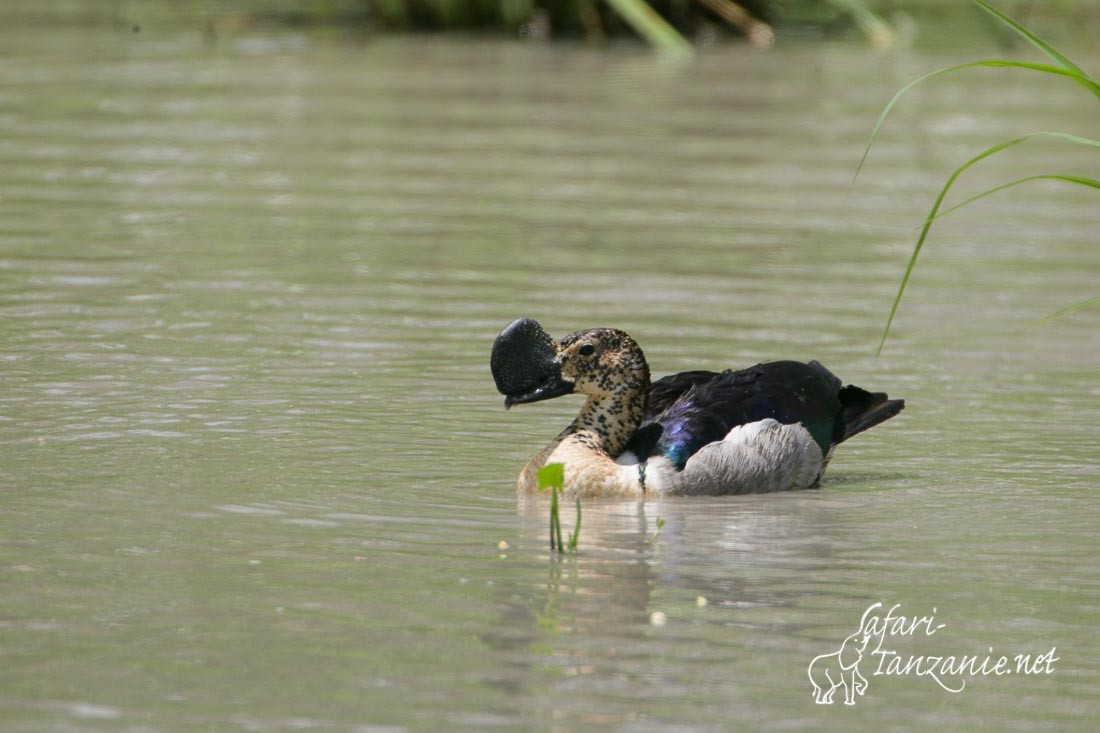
(576, 529)
(552, 479)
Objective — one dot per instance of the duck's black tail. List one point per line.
(861, 410)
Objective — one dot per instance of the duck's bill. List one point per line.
(554, 387)
(525, 364)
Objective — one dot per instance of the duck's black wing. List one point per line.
(666, 390)
(689, 410)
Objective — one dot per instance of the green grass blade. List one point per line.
(991, 63)
(652, 27)
(1072, 308)
(1080, 180)
(934, 212)
(1039, 43)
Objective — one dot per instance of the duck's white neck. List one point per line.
(589, 446)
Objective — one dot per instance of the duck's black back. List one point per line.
(689, 410)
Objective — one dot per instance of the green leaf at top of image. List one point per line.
(1035, 40)
(933, 214)
(1066, 69)
(552, 474)
(1080, 78)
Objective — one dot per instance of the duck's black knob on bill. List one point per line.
(524, 363)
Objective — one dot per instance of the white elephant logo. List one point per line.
(840, 669)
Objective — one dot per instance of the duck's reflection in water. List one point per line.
(721, 565)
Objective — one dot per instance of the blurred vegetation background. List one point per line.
(701, 21)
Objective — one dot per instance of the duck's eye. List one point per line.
(587, 350)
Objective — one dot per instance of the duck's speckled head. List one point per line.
(602, 362)
(528, 367)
